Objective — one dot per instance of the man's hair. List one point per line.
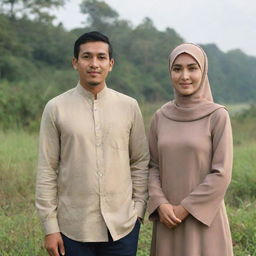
(93, 36)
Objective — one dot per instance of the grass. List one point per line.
(243, 183)
(243, 229)
(20, 230)
(145, 238)
(237, 108)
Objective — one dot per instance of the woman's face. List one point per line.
(186, 74)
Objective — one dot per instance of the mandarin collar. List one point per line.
(89, 95)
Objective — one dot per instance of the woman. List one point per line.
(191, 162)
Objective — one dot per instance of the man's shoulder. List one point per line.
(122, 97)
(61, 98)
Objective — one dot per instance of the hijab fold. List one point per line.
(200, 103)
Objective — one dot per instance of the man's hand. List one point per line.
(180, 212)
(167, 215)
(54, 244)
(140, 220)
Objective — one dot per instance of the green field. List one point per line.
(20, 231)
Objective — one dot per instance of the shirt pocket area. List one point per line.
(117, 137)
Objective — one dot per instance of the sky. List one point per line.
(230, 24)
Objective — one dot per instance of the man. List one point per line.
(91, 186)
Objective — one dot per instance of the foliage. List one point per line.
(245, 121)
(227, 74)
(99, 13)
(246, 114)
(22, 103)
(39, 9)
(35, 62)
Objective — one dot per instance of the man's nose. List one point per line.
(94, 62)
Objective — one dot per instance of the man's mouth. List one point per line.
(94, 72)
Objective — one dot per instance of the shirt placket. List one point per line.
(99, 146)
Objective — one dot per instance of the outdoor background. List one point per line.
(35, 65)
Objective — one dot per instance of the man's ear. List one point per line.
(74, 63)
(112, 62)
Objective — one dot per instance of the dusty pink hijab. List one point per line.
(200, 103)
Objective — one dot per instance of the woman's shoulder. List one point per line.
(221, 112)
(220, 116)
(160, 111)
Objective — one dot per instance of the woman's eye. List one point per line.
(193, 68)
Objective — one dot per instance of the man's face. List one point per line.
(93, 64)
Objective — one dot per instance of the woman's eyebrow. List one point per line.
(192, 64)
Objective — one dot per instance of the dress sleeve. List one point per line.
(156, 195)
(139, 158)
(206, 199)
(48, 161)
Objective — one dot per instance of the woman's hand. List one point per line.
(180, 212)
(167, 215)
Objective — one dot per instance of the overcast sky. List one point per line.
(230, 24)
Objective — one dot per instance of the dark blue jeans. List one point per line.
(126, 246)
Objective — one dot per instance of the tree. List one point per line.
(11, 4)
(99, 14)
(39, 9)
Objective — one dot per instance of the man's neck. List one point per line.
(94, 89)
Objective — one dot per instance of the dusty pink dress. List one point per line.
(191, 161)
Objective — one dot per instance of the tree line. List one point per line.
(35, 62)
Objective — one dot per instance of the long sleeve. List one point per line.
(139, 158)
(156, 195)
(206, 199)
(46, 183)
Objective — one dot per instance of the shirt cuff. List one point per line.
(141, 208)
(51, 226)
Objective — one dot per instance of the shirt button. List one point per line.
(100, 174)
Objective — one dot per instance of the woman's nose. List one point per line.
(185, 74)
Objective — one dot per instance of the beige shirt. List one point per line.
(92, 168)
